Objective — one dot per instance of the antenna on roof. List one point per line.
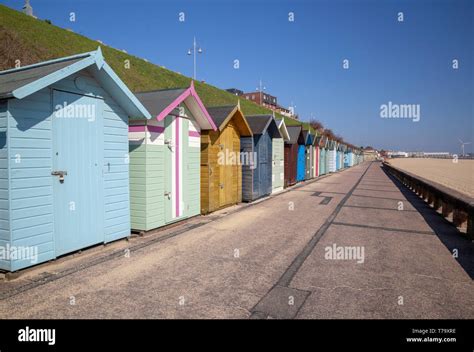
(238, 103)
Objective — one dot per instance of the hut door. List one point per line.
(287, 164)
(174, 173)
(223, 169)
(264, 167)
(226, 175)
(300, 169)
(77, 174)
(308, 162)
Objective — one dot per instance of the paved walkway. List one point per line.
(269, 260)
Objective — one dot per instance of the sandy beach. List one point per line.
(458, 176)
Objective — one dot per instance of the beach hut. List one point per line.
(349, 157)
(291, 153)
(331, 157)
(322, 155)
(278, 151)
(301, 160)
(338, 157)
(64, 158)
(309, 157)
(221, 172)
(316, 155)
(165, 158)
(256, 156)
(341, 149)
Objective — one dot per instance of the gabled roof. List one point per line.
(260, 123)
(21, 82)
(283, 129)
(223, 114)
(323, 142)
(163, 102)
(317, 141)
(296, 135)
(308, 137)
(158, 100)
(331, 144)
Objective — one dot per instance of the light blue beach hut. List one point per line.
(63, 158)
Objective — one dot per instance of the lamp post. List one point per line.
(193, 51)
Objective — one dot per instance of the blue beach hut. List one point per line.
(256, 153)
(63, 158)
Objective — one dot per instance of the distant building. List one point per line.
(27, 9)
(436, 154)
(370, 154)
(262, 98)
(284, 111)
(398, 154)
(235, 91)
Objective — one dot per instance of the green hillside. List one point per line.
(33, 40)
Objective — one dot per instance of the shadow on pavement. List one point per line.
(448, 234)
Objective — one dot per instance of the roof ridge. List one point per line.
(49, 62)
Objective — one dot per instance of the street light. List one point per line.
(193, 51)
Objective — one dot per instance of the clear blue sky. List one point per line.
(301, 61)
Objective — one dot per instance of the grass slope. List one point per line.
(32, 40)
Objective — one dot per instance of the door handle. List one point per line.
(167, 194)
(60, 175)
(170, 144)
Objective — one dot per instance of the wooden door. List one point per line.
(78, 183)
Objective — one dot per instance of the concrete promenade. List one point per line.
(355, 244)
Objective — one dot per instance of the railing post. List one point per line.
(437, 203)
(470, 224)
(459, 217)
(431, 198)
(447, 209)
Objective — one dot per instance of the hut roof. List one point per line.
(10, 81)
(308, 137)
(260, 123)
(161, 103)
(23, 81)
(158, 100)
(223, 114)
(283, 129)
(296, 135)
